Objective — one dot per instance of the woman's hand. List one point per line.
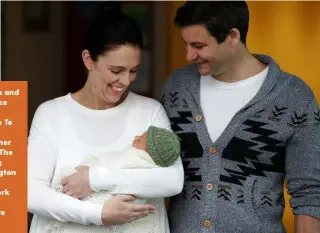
(77, 185)
(118, 211)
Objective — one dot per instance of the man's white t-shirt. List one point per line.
(220, 101)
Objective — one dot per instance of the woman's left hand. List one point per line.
(77, 185)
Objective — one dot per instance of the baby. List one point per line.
(156, 147)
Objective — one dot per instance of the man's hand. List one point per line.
(306, 224)
(77, 184)
(118, 211)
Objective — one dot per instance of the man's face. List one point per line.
(204, 50)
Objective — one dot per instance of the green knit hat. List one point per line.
(163, 146)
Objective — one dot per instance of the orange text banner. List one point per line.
(13, 156)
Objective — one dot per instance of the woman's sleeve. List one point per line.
(43, 200)
(144, 183)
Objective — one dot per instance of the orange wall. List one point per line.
(290, 33)
(287, 31)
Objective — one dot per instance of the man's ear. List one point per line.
(233, 36)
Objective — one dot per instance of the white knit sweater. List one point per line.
(63, 133)
(130, 158)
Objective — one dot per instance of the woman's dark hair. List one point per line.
(219, 17)
(110, 29)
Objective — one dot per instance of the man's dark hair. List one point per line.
(219, 17)
(110, 29)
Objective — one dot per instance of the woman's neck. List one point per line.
(90, 99)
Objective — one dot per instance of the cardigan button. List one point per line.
(213, 150)
(209, 187)
(207, 223)
(198, 118)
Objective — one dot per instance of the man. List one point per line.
(245, 126)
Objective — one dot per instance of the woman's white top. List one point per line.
(63, 133)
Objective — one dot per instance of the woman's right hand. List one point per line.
(118, 211)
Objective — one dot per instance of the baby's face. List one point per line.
(140, 142)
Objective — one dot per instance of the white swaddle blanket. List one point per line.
(131, 158)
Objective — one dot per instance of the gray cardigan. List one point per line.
(235, 184)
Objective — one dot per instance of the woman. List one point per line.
(101, 117)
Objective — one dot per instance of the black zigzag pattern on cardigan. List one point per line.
(317, 116)
(241, 151)
(190, 148)
(181, 119)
